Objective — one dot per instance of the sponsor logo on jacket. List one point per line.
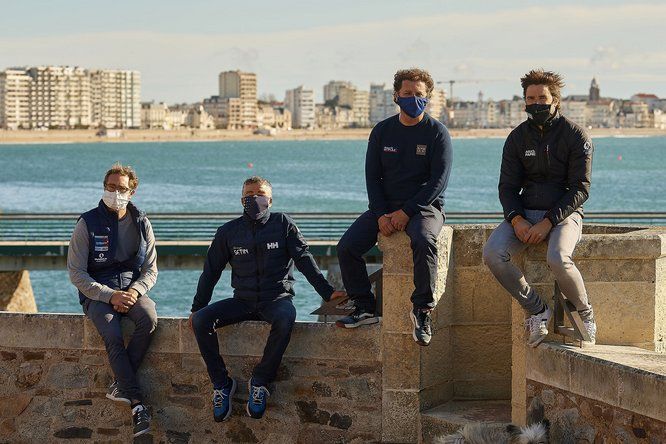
(272, 245)
(101, 243)
(421, 150)
(238, 251)
(390, 149)
(530, 153)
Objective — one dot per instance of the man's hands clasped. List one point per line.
(392, 222)
(531, 234)
(122, 301)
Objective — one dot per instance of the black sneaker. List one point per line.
(114, 394)
(359, 316)
(422, 325)
(141, 420)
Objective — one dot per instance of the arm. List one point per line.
(373, 176)
(216, 259)
(512, 175)
(578, 180)
(148, 275)
(298, 250)
(440, 169)
(77, 266)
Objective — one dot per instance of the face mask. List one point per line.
(256, 206)
(412, 106)
(539, 113)
(115, 200)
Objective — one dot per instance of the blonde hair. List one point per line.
(123, 170)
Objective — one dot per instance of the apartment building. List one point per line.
(15, 98)
(301, 104)
(242, 86)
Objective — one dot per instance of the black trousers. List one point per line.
(422, 229)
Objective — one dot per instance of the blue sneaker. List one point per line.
(222, 400)
(256, 403)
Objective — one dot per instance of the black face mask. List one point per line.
(256, 206)
(539, 113)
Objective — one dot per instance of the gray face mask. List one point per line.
(116, 200)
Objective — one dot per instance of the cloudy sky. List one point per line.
(180, 47)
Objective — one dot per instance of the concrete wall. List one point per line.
(55, 374)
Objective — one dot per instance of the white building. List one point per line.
(243, 86)
(576, 111)
(382, 105)
(601, 114)
(15, 86)
(116, 98)
(332, 89)
(358, 101)
(437, 104)
(154, 115)
(512, 113)
(301, 104)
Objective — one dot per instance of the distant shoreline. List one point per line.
(139, 135)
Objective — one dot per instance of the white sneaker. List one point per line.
(537, 326)
(591, 328)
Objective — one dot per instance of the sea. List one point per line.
(307, 176)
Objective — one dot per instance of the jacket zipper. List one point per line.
(256, 257)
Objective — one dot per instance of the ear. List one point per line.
(270, 201)
(513, 430)
(132, 192)
(395, 97)
(535, 412)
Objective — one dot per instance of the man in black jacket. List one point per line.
(407, 168)
(262, 248)
(544, 180)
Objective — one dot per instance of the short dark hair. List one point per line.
(123, 170)
(550, 79)
(414, 75)
(259, 180)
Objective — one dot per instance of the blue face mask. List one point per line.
(412, 106)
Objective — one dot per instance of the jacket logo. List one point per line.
(390, 149)
(530, 153)
(101, 258)
(421, 150)
(272, 245)
(101, 243)
(238, 251)
(587, 148)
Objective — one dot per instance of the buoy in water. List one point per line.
(250, 165)
(619, 157)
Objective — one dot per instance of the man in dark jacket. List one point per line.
(113, 263)
(544, 180)
(262, 248)
(407, 168)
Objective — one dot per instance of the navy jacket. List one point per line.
(546, 169)
(262, 255)
(407, 167)
(102, 226)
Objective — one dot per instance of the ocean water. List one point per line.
(307, 176)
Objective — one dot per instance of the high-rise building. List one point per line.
(243, 86)
(116, 98)
(358, 101)
(300, 102)
(59, 97)
(15, 98)
(332, 89)
(437, 103)
(382, 105)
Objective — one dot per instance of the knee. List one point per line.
(200, 323)
(285, 322)
(558, 261)
(343, 248)
(147, 323)
(492, 256)
(425, 244)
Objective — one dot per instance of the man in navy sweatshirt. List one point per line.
(407, 168)
(262, 248)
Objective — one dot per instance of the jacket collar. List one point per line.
(133, 211)
(554, 120)
(262, 220)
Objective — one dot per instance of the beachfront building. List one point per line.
(116, 98)
(300, 102)
(237, 100)
(437, 104)
(601, 114)
(333, 117)
(154, 115)
(332, 90)
(273, 116)
(382, 105)
(511, 112)
(15, 98)
(575, 110)
(358, 101)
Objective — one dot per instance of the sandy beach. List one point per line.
(154, 135)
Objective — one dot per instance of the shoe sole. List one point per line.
(366, 321)
(421, 343)
(123, 400)
(142, 432)
(231, 395)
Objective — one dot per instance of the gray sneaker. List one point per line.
(114, 394)
(422, 325)
(537, 326)
(141, 420)
(591, 328)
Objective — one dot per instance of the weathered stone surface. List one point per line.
(74, 433)
(16, 292)
(400, 415)
(401, 362)
(480, 351)
(13, 406)
(42, 331)
(29, 374)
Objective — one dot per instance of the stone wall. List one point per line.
(55, 374)
(16, 292)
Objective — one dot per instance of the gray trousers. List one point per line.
(124, 361)
(562, 239)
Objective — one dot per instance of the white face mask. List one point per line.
(115, 200)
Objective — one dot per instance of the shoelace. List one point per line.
(141, 415)
(218, 398)
(257, 394)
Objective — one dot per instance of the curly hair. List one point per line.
(414, 75)
(123, 170)
(550, 79)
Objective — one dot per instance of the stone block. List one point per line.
(68, 375)
(435, 395)
(643, 393)
(481, 350)
(401, 362)
(467, 246)
(488, 388)
(397, 305)
(547, 366)
(397, 254)
(400, 416)
(436, 359)
(16, 292)
(42, 331)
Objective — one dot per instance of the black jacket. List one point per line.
(546, 169)
(262, 255)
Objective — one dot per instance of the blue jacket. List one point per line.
(262, 255)
(102, 226)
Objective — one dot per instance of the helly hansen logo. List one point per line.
(390, 149)
(421, 150)
(272, 245)
(238, 251)
(530, 153)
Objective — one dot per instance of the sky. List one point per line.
(180, 47)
